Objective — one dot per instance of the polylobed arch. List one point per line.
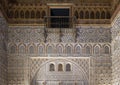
(97, 47)
(92, 15)
(106, 49)
(78, 49)
(87, 14)
(32, 14)
(16, 14)
(103, 14)
(27, 14)
(22, 48)
(97, 50)
(22, 14)
(50, 48)
(81, 14)
(88, 49)
(97, 14)
(38, 14)
(41, 49)
(60, 50)
(31, 48)
(12, 48)
(68, 49)
(41, 45)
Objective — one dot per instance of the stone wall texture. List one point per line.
(116, 50)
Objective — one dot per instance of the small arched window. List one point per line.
(52, 67)
(60, 67)
(106, 49)
(68, 67)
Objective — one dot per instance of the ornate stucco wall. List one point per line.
(29, 47)
(116, 50)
